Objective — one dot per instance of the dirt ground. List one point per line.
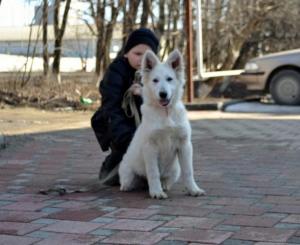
(19, 125)
(24, 120)
(31, 104)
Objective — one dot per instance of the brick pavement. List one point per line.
(248, 165)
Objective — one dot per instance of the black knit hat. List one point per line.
(142, 36)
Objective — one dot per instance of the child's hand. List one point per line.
(136, 89)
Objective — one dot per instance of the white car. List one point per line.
(277, 74)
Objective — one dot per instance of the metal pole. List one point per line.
(189, 52)
(199, 44)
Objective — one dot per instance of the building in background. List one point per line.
(77, 13)
(78, 41)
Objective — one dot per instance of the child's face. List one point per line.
(135, 55)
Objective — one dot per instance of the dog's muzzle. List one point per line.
(163, 101)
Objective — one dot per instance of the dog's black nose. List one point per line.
(163, 95)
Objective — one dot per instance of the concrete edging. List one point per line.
(2, 141)
(236, 101)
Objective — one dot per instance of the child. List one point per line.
(113, 128)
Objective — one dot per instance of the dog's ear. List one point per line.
(149, 61)
(175, 60)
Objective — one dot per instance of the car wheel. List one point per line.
(285, 87)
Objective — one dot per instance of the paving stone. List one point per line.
(134, 225)
(25, 206)
(245, 187)
(20, 216)
(14, 187)
(103, 232)
(271, 243)
(232, 228)
(289, 200)
(289, 226)
(275, 215)
(16, 240)
(245, 220)
(293, 218)
(241, 209)
(77, 215)
(233, 201)
(184, 211)
(173, 243)
(45, 221)
(41, 234)
(51, 210)
(83, 197)
(54, 202)
(162, 217)
(264, 234)
(70, 205)
(72, 227)
(5, 203)
(290, 209)
(132, 213)
(103, 220)
(193, 222)
(237, 242)
(14, 228)
(135, 237)
(107, 209)
(71, 239)
(294, 240)
(203, 236)
(166, 229)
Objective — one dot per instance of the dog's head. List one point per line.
(163, 81)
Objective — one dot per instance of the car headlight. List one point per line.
(251, 67)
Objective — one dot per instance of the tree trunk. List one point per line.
(109, 30)
(59, 33)
(146, 13)
(161, 19)
(130, 18)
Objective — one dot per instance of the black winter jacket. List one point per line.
(110, 123)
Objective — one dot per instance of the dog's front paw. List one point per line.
(125, 188)
(158, 194)
(165, 185)
(196, 191)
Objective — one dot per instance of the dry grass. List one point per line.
(47, 93)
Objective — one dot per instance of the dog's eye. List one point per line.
(169, 79)
(155, 80)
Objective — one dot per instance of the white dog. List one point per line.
(164, 135)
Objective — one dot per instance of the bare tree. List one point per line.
(228, 25)
(168, 26)
(130, 10)
(104, 29)
(146, 12)
(59, 33)
(115, 9)
(160, 26)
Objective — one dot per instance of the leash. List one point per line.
(128, 103)
(129, 107)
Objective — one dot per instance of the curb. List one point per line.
(2, 141)
(204, 107)
(233, 102)
(217, 106)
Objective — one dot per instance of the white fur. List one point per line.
(161, 146)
